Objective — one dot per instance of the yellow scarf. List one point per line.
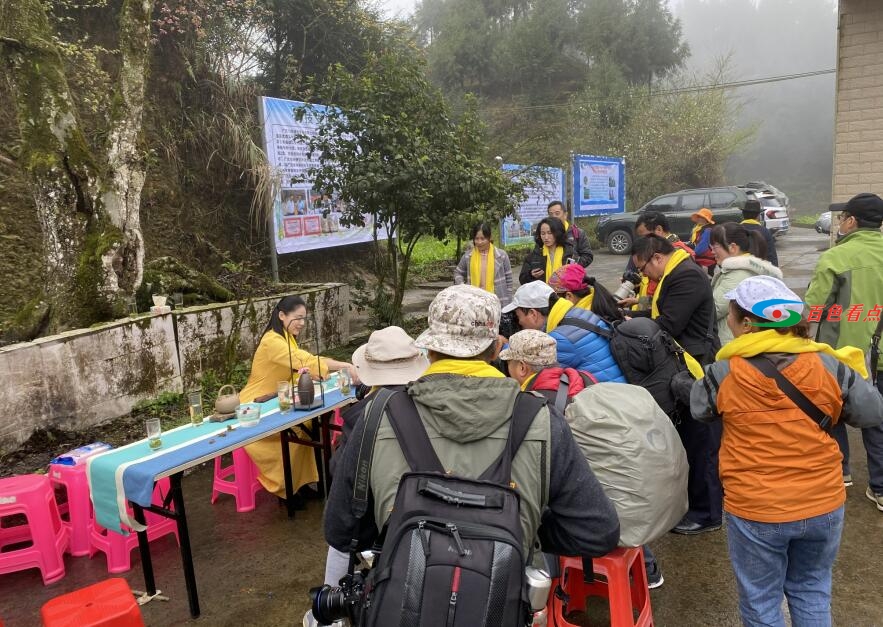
(770, 341)
(586, 301)
(750, 222)
(676, 258)
(475, 270)
(694, 234)
(558, 311)
(465, 367)
(566, 225)
(527, 382)
(553, 264)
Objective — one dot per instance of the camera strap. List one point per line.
(362, 483)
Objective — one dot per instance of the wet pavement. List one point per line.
(255, 568)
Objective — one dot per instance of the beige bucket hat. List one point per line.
(389, 358)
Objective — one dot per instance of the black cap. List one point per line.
(752, 205)
(866, 208)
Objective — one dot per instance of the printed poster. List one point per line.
(549, 186)
(598, 185)
(303, 218)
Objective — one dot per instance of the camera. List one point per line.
(333, 603)
(630, 280)
(509, 324)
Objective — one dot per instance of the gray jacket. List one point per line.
(467, 420)
(502, 274)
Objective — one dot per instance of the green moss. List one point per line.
(90, 305)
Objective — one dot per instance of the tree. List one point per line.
(87, 200)
(393, 152)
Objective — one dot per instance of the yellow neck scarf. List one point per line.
(676, 258)
(527, 382)
(694, 234)
(566, 225)
(749, 221)
(475, 277)
(770, 341)
(553, 262)
(558, 311)
(586, 301)
(465, 367)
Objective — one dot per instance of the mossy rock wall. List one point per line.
(80, 378)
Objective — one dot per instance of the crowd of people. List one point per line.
(769, 386)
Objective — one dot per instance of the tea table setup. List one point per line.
(125, 476)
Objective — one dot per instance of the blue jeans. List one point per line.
(793, 558)
(872, 437)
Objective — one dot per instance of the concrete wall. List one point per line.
(84, 377)
(858, 149)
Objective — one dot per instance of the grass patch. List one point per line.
(806, 220)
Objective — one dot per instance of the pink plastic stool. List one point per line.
(33, 497)
(76, 508)
(118, 548)
(244, 484)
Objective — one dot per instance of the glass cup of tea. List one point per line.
(154, 432)
(346, 382)
(194, 403)
(283, 391)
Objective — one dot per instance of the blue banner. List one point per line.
(544, 186)
(598, 185)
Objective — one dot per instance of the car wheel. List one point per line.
(619, 242)
(818, 229)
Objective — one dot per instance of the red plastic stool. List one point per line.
(31, 496)
(118, 548)
(76, 508)
(625, 595)
(244, 484)
(109, 603)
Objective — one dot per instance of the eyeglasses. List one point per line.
(641, 269)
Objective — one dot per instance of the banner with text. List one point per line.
(598, 185)
(303, 219)
(547, 186)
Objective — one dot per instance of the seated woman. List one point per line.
(486, 266)
(551, 252)
(780, 468)
(278, 358)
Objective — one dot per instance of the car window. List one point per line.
(692, 202)
(721, 200)
(663, 203)
(769, 202)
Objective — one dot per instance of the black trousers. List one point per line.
(702, 443)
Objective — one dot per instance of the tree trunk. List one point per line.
(87, 204)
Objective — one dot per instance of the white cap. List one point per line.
(533, 295)
(767, 297)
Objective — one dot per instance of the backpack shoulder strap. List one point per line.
(790, 390)
(527, 406)
(411, 435)
(561, 395)
(585, 324)
(362, 483)
(875, 350)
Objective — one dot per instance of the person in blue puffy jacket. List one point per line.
(579, 333)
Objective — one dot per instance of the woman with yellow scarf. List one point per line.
(486, 266)
(780, 468)
(552, 251)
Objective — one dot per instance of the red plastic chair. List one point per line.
(43, 536)
(109, 603)
(624, 585)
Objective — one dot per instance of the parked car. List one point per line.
(774, 214)
(823, 224)
(618, 231)
(763, 186)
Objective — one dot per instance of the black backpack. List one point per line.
(452, 550)
(647, 356)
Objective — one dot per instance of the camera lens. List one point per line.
(329, 604)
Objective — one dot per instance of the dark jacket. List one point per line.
(771, 254)
(576, 517)
(579, 241)
(686, 310)
(536, 255)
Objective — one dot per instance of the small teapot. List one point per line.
(226, 403)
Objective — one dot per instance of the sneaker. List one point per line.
(655, 579)
(847, 480)
(877, 498)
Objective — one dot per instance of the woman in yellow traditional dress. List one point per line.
(278, 358)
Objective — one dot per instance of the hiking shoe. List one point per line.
(655, 579)
(847, 480)
(689, 528)
(877, 498)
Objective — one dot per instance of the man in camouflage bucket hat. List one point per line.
(466, 406)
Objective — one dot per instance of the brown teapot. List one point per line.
(226, 403)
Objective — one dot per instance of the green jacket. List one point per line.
(850, 273)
